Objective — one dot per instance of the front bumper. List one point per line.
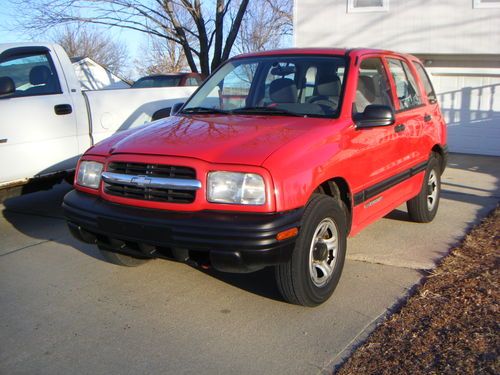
(231, 242)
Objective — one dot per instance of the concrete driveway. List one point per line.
(64, 310)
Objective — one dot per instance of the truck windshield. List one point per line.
(273, 85)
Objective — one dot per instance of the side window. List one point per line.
(192, 81)
(31, 74)
(406, 86)
(373, 85)
(424, 77)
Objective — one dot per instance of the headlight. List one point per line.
(89, 174)
(236, 188)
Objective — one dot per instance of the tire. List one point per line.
(423, 208)
(122, 259)
(301, 280)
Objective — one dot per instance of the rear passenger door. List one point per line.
(410, 112)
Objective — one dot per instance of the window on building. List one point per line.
(367, 5)
(486, 3)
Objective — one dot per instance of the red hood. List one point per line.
(212, 138)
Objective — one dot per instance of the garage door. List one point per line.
(471, 106)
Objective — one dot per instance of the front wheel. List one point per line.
(311, 275)
(423, 208)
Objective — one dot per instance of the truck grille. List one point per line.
(152, 170)
(122, 183)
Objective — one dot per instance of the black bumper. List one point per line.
(232, 242)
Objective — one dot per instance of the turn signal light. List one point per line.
(289, 233)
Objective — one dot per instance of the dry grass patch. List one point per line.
(451, 324)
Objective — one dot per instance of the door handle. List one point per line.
(399, 128)
(63, 109)
(3, 140)
(427, 118)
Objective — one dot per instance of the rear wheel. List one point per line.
(122, 259)
(311, 275)
(423, 208)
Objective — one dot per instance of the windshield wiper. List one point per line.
(267, 111)
(203, 110)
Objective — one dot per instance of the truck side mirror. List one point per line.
(7, 86)
(175, 108)
(375, 115)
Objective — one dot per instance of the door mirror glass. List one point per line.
(375, 115)
(175, 108)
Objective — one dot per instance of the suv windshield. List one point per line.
(273, 85)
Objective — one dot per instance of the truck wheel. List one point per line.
(311, 275)
(122, 259)
(423, 208)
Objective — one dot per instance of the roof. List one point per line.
(321, 51)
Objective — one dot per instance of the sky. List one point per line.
(8, 34)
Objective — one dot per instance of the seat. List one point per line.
(42, 78)
(327, 90)
(283, 90)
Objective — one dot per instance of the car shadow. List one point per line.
(39, 216)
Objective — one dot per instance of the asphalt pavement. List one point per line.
(63, 309)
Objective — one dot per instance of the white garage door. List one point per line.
(471, 106)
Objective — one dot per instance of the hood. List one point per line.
(235, 139)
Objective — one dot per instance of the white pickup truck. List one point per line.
(47, 121)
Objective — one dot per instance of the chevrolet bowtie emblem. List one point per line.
(141, 181)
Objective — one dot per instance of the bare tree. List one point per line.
(206, 33)
(265, 25)
(90, 42)
(161, 56)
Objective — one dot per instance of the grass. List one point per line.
(451, 323)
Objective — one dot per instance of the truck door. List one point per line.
(37, 121)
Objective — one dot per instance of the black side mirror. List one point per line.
(175, 108)
(7, 86)
(375, 115)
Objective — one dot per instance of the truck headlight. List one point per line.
(236, 188)
(89, 174)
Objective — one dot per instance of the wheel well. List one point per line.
(442, 160)
(338, 188)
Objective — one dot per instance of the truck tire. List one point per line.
(122, 259)
(311, 275)
(423, 208)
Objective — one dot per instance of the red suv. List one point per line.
(274, 161)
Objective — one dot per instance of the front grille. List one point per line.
(151, 193)
(152, 170)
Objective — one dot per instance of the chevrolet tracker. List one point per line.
(273, 161)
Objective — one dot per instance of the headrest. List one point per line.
(7, 85)
(283, 90)
(40, 75)
(366, 85)
(283, 70)
(328, 85)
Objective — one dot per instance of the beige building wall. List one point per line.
(413, 26)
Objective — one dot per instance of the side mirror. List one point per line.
(375, 115)
(176, 108)
(7, 86)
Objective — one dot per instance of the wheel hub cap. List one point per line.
(323, 252)
(432, 190)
